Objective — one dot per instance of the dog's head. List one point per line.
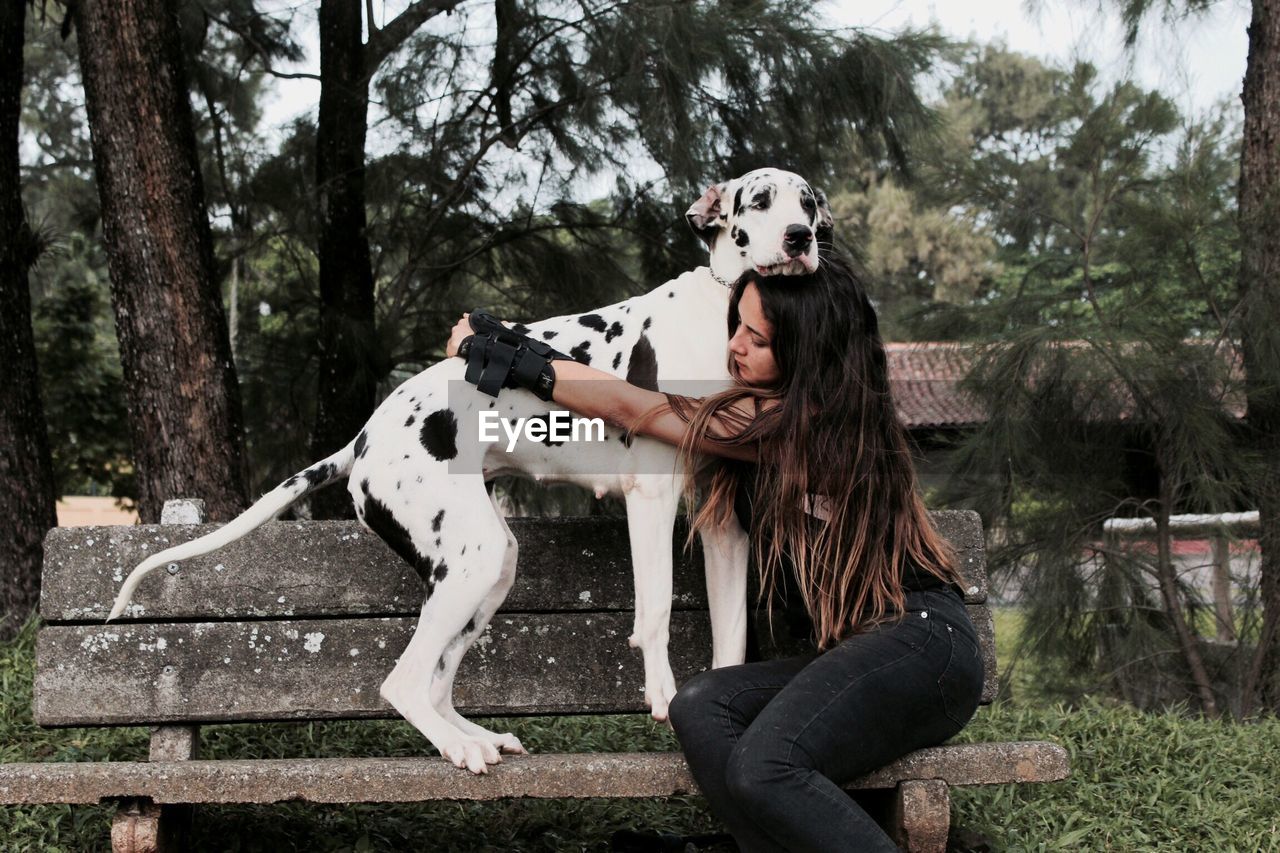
(768, 220)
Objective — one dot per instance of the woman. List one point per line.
(831, 498)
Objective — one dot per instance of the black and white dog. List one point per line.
(417, 470)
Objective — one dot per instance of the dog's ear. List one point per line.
(706, 216)
(824, 224)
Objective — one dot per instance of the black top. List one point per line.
(914, 578)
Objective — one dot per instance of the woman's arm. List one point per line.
(596, 394)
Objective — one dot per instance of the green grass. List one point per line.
(1139, 782)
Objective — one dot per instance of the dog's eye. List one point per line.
(761, 200)
(809, 205)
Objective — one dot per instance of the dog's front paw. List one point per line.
(509, 744)
(474, 754)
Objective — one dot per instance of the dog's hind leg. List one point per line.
(442, 682)
(725, 552)
(651, 511)
(454, 594)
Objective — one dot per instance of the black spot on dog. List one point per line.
(409, 421)
(614, 331)
(289, 483)
(546, 435)
(671, 294)
(648, 321)
(546, 336)
(579, 353)
(423, 566)
(642, 368)
(626, 309)
(742, 239)
(362, 444)
(469, 627)
(437, 541)
(382, 522)
(439, 434)
(417, 407)
(520, 328)
(440, 664)
(463, 552)
(809, 205)
(593, 321)
(737, 203)
(617, 359)
(441, 572)
(320, 474)
(436, 522)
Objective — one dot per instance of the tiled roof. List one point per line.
(925, 378)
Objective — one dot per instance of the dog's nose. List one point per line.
(796, 240)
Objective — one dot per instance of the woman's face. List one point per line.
(753, 362)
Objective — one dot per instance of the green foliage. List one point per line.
(81, 383)
(1138, 782)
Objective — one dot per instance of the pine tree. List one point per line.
(26, 470)
(184, 401)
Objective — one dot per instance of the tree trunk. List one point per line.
(1260, 296)
(26, 470)
(350, 364)
(184, 402)
(1168, 579)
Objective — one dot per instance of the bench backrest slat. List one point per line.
(331, 668)
(338, 568)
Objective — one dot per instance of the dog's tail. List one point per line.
(268, 507)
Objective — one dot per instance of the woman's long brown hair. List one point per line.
(833, 433)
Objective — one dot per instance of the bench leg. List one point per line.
(141, 826)
(922, 816)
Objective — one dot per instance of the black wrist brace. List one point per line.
(499, 358)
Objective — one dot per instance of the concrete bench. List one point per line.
(302, 620)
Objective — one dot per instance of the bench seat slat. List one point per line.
(337, 568)
(130, 674)
(373, 780)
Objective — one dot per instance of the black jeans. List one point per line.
(770, 743)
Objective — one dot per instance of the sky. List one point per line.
(1197, 62)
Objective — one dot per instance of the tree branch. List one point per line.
(263, 54)
(390, 36)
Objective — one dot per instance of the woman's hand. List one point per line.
(461, 331)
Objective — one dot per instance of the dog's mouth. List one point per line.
(789, 266)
